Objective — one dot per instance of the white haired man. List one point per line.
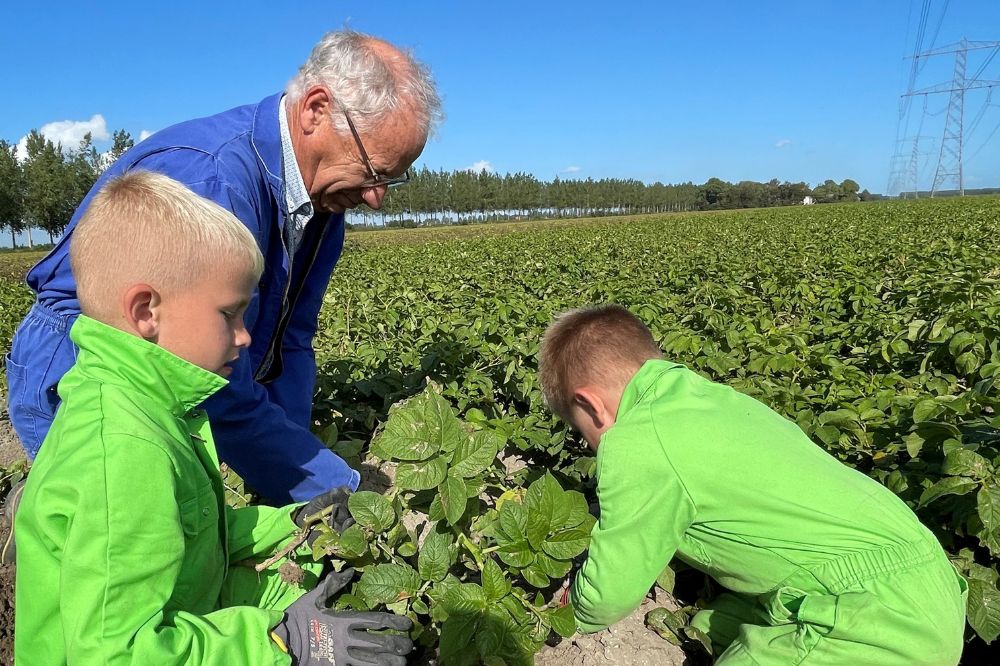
(349, 125)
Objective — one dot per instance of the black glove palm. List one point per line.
(317, 636)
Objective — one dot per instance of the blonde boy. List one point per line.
(825, 565)
(126, 551)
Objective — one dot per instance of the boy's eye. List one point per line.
(228, 314)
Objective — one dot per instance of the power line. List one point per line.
(950, 158)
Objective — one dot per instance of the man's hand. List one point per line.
(315, 636)
(334, 501)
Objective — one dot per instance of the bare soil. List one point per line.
(6, 609)
(628, 643)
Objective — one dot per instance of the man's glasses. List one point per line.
(375, 179)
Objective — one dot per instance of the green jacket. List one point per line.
(696, 469)
(123, 538)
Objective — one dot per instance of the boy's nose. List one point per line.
(242, 338)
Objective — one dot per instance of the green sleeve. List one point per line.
(644, 512)
(122, 562)
(258, 530)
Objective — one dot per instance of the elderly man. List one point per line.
(349, 125)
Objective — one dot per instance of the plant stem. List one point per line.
(299, 539)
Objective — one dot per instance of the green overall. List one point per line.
(825, 565)
(126, 552)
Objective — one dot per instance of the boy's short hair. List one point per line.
(603, 344)
(147, 227)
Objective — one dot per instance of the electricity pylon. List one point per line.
(950, 157)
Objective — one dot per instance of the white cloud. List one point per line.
(144, 134)
(783, 143)
(69, 133)
(476, 167)
(570, 169)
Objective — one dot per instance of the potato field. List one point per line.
(875, 327)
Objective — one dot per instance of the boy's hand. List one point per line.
(335, 502)
(316, 636)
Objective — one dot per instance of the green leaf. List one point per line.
(350, 544)
(535, 576)
(513, 522)
(988, 505)
(388, 583)
(422, 475)
(434, 557)
(453, 499)
(495, 583)
(552, 567)
(518, 554)
(418, 429)
(456, 637)
(561, 620)
(952, 485)
(664, 623)
(578, 508)
(839, 417)
(540, 503)
(465, 598)
(475, 453)
(566, 545)
(984, 609)
(827, 434)
(926, 409)
(968, 363)
(666, 579)
(914, 443)
(371, 510)
(963, 462)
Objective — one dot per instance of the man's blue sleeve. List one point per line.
(280, 459)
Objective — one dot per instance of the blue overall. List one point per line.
(261, 420)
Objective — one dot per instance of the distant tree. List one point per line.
(849, 190)
(121, 141)
(51, 185)
(11, 191)
(714, 192)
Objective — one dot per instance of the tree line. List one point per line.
(42, 188)
(461, 196)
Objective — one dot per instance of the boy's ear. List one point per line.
(141, 310)
(592, 404)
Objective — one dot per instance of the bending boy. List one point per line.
(825, 565)
(126, 551)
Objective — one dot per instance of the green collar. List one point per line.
(640, 384)
(118, 358)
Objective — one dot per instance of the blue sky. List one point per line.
(649, 90)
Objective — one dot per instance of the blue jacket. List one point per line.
(261, 420)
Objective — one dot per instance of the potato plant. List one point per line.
(456, 544)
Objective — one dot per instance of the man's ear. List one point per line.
(314, 109)
(592, 404)
(141, 310)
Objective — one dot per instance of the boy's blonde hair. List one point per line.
(147, 227)
(603, 345)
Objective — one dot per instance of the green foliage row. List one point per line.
(874, 327)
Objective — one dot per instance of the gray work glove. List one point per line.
(338, 520)
(317, 636)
